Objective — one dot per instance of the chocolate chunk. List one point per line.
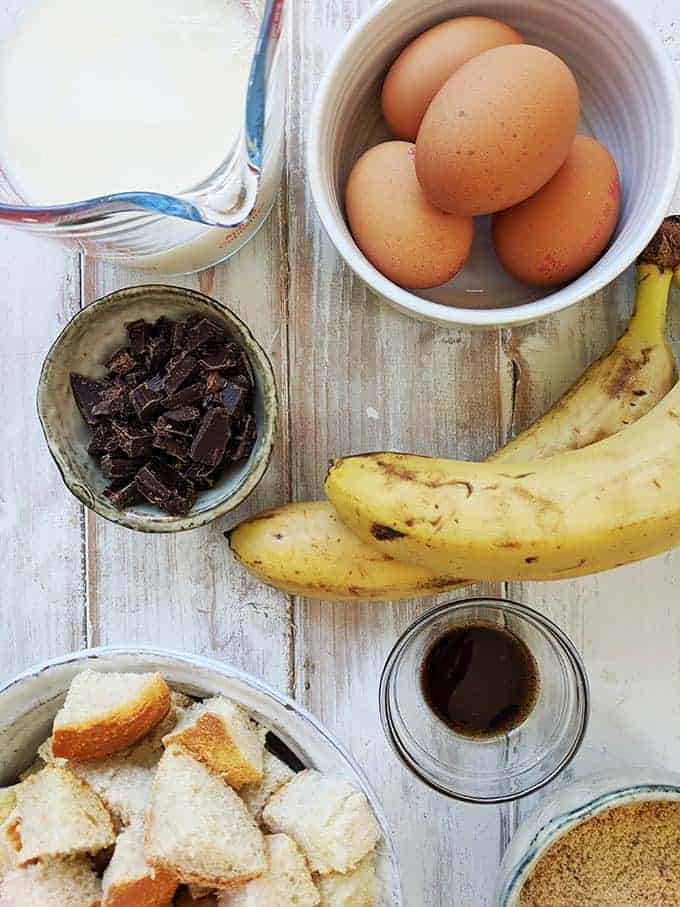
(162, 327)
(177, 337)
(103, 440)
(191, 394)
(136, 376)
(148, 397)
(199, 475)
(177, 448)
(216, 356)
(113, 402)
(200, 333)
(122, 362)
(138, 333)
(245, 371)
(212, 438)
(183, 414)
(133, 440)
(242, 381)
(119, 467)
(161, 485)
(248, 429)
(233, 398)
(124, 497)
(214, 382)
(241, 449)
(157, 351)
(178, 370)
(87, 393)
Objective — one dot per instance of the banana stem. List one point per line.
(648, 322)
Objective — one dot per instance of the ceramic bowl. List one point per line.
(85, 343)
(29, 702)
(629, 101)
(568, 807)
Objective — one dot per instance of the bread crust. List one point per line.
(208, 740)
(116, 731)
(156, 892)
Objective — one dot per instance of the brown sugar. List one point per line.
(628, 855)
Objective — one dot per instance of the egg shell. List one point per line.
(409, 241)
(497, 130)
(557, 234)
(426, 63)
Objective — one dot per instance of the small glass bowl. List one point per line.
(512, 764)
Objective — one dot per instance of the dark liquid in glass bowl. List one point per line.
(480, 679)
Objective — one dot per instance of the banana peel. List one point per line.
(305, 549)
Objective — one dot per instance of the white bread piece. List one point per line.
(286, 883)
(8, 853)
(8, 800)
(106, 713)
(222, 735)
(185, 899)
(358, 888)
(198, 828)
(329, 819)
(58, 815)
(129, 881)
(275, 775)
(146, 752)
(54, 883)
(125, 788)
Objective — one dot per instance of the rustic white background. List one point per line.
(69, 579)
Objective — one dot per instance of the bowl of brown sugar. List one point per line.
(611, 841)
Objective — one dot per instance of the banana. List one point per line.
(305, 550)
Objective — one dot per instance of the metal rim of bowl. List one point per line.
(453, 316)
(229, 671)
(250, 480)
(525, 611)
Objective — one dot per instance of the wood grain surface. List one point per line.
(353, 374)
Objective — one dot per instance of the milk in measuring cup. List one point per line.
(106, 96)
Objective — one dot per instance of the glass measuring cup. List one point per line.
(197, 227)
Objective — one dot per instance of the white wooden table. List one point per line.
(353, 375)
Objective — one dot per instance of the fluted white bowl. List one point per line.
(629, 101)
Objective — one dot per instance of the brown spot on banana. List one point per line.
(385, 533)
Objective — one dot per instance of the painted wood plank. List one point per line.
(42, 591)
(363, 377)
(184, 591)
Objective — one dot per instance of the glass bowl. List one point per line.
(29, 702)
(511, 764)
(570, 806)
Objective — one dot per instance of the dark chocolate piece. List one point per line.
(103, 440)
(191, 394)
(199, 475)
(114, 401)
(133, 440)
(119, 467)
(248, 429)
(177, 336)
(233, 398)
(214, 382)
(183, 414)
(177, 448)
(157, 351)
(124, 497)
(240, 450)
(162, 327)
(138, 333)
(200, 333)
(212, 438)
(87, 393)
(122, 362)
(148, 397)
(218, 356)
(178, 370)
(161, 485)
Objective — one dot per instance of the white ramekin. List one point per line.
(29, 702)
(630, 101)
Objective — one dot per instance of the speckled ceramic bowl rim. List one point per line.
(561, 298)
(260, 459)
(546, 836)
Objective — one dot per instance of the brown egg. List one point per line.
(558, 233)
(398, 230)
(425, 64)
(497, 130)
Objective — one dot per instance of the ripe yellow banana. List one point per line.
(304, 549)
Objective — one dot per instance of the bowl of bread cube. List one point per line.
(138, 777)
